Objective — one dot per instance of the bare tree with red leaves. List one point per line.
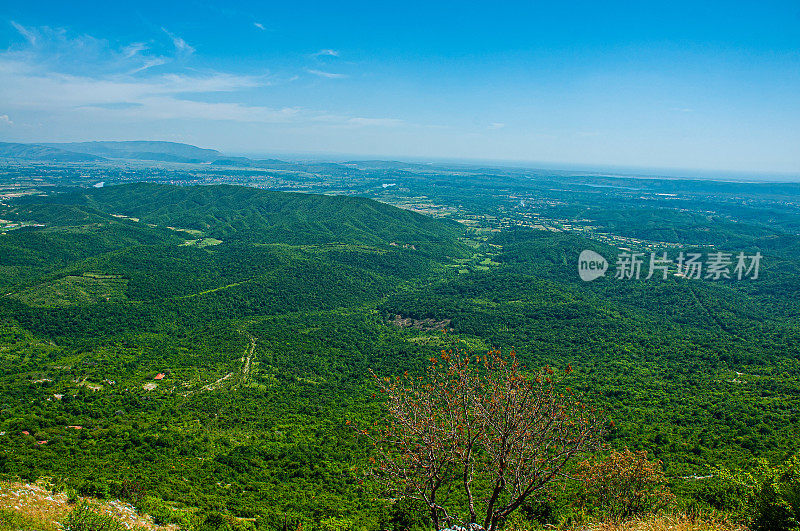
(478, 436)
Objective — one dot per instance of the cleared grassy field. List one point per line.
(203, 242)
(89, 288)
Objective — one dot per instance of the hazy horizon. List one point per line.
(565, 166)
(606, 170)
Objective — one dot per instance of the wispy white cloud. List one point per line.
(149, 63)
(29, 35)
(50, 90)
(328, 75)
(133, 49)
(165, 97)
(44, 39)
(172, 108)
(324, 52)
(496, 125)
(56, 49)
(259, 26)
(381, 122)
(181, 46)
(79, 79)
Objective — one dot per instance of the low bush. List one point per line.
(84, 518)
(623, 485)
(767, 498)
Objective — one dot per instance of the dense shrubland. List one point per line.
(701, 377)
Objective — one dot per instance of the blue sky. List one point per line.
(707, 85)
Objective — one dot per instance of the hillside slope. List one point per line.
(261, 216)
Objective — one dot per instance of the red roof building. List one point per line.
(159, 376)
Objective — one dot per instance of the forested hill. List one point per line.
(213, 344)
(261, 216)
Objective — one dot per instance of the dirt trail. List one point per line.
(217, 384)
(248, 358)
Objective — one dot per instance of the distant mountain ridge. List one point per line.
(142, 150)
(174, 152)
(43, 153)
(156, 151)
